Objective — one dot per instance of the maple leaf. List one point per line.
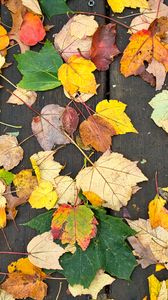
(24, 266)
(154, 241)
(158, 214)
(103, 48)
(39, 69)
(32, 30)
(45, 167)
(48, 127)
(101, 279)
(74, 225)
(29, 97)
(157, 290)
(4, 39)
(54, 7)
(10, 152)
(5, 296)
(160, 113)
(97, 132)
(44, 253)
(74, 41)
(113, 112)
(144, 45)
(76, 75)
(116, 174)
(41, 223)
(25, 183)
(33, 5)
(118, 6)
(109, 250)
(43, 195)
(66, 190)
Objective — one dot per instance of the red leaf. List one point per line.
(32, 30)
(70, 120)
(103, 48)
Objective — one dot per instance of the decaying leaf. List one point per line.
(157, 290)
(48, 127)
(118, 6)
(101, 279)
(160, 113)
(158, 214)
(4, 39)
(96, 132)
(154, 241)
(10, 152)
(43, 195)
(12, 203)
(29, 97)
(112, 177)
(25, 183)
(76, 75)
(44, 253)
(33, 5)
(70, 120)
(24, 266)
(66, 190)
(45, 167)
(75, 38)
(104, 47)
(74, 225)
(5, 296)
(158, 70)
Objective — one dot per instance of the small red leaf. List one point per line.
(103, 48)
(32, 30)
(70, 120)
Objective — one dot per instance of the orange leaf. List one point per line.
(158, 214)
(97, 132)
(32, 30)
(4, 39)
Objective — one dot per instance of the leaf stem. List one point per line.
(14, 253)
(9, 125)
(6, 240)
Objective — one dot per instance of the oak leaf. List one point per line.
(43, 195)
(158, 214)
(97, 132)
(118, 6)
(160, 113)
(5, 296)
(44, 253)
(4, 39)
(10, 152)
(29, 97)
(76, 75)
(25, 183)
(74, 225)
(117, 175)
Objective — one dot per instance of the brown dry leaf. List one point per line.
(25, 183)
(29, 97)
(66, 190)
(10, 153)
(5, 296)
(97, 132)
(44, 253)
(112, 177)
(154, 241)
(33, 5)
(12, 203)
(71, 40)
(158, 70)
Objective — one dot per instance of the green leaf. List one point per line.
(39, 69)
(54, 7)
(6, 176)
(41, 223)
(160, 113)
(108, 251)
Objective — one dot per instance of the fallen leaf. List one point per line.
(158, 214)
(54, 7)
(24, 266)
(157, 290)
(76, 75)
(4, 39)
(159, 267)
(104, 47)
(71, 41)
(29, 97)
(6, 176)
(12, 203)
(43, 195)
(45, 167)
(74, 225)
(113, 112)
(33, 5)
(48, 127)
(5, 296)
(2, 61)
(66, 190)
(44, 253)
(160, 113)
(10, 152)
(158, 70)
(155, 240)
(118, 6)
(101, 279)
(93, 198)
(32, 30)
(79, 97)
(97, 132)
(25, 183)
(116, 174)
(70, 120)
(3, 203)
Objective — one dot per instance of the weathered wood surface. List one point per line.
(151, 144)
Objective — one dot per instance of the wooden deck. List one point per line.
(150, 144)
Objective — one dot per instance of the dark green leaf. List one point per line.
(6, 176)
(54, 7)
(108, 251)
(39, 69)
(41, 223)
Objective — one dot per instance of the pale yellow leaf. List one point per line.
(33, 5)
(83, 26)
(66, 190)
(29, 97)
(2, 61)
(10, 152)
(5, 296)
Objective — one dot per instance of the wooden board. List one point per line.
(151, 144)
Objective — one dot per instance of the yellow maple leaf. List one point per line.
(93, 198)
(118, 6)
(24, 266)
(25, 183)
(44, 195)
(157, 290)
(158, 214)
(76, 75)
(113, 112)
(4, 39)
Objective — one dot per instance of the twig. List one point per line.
(59, 291)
